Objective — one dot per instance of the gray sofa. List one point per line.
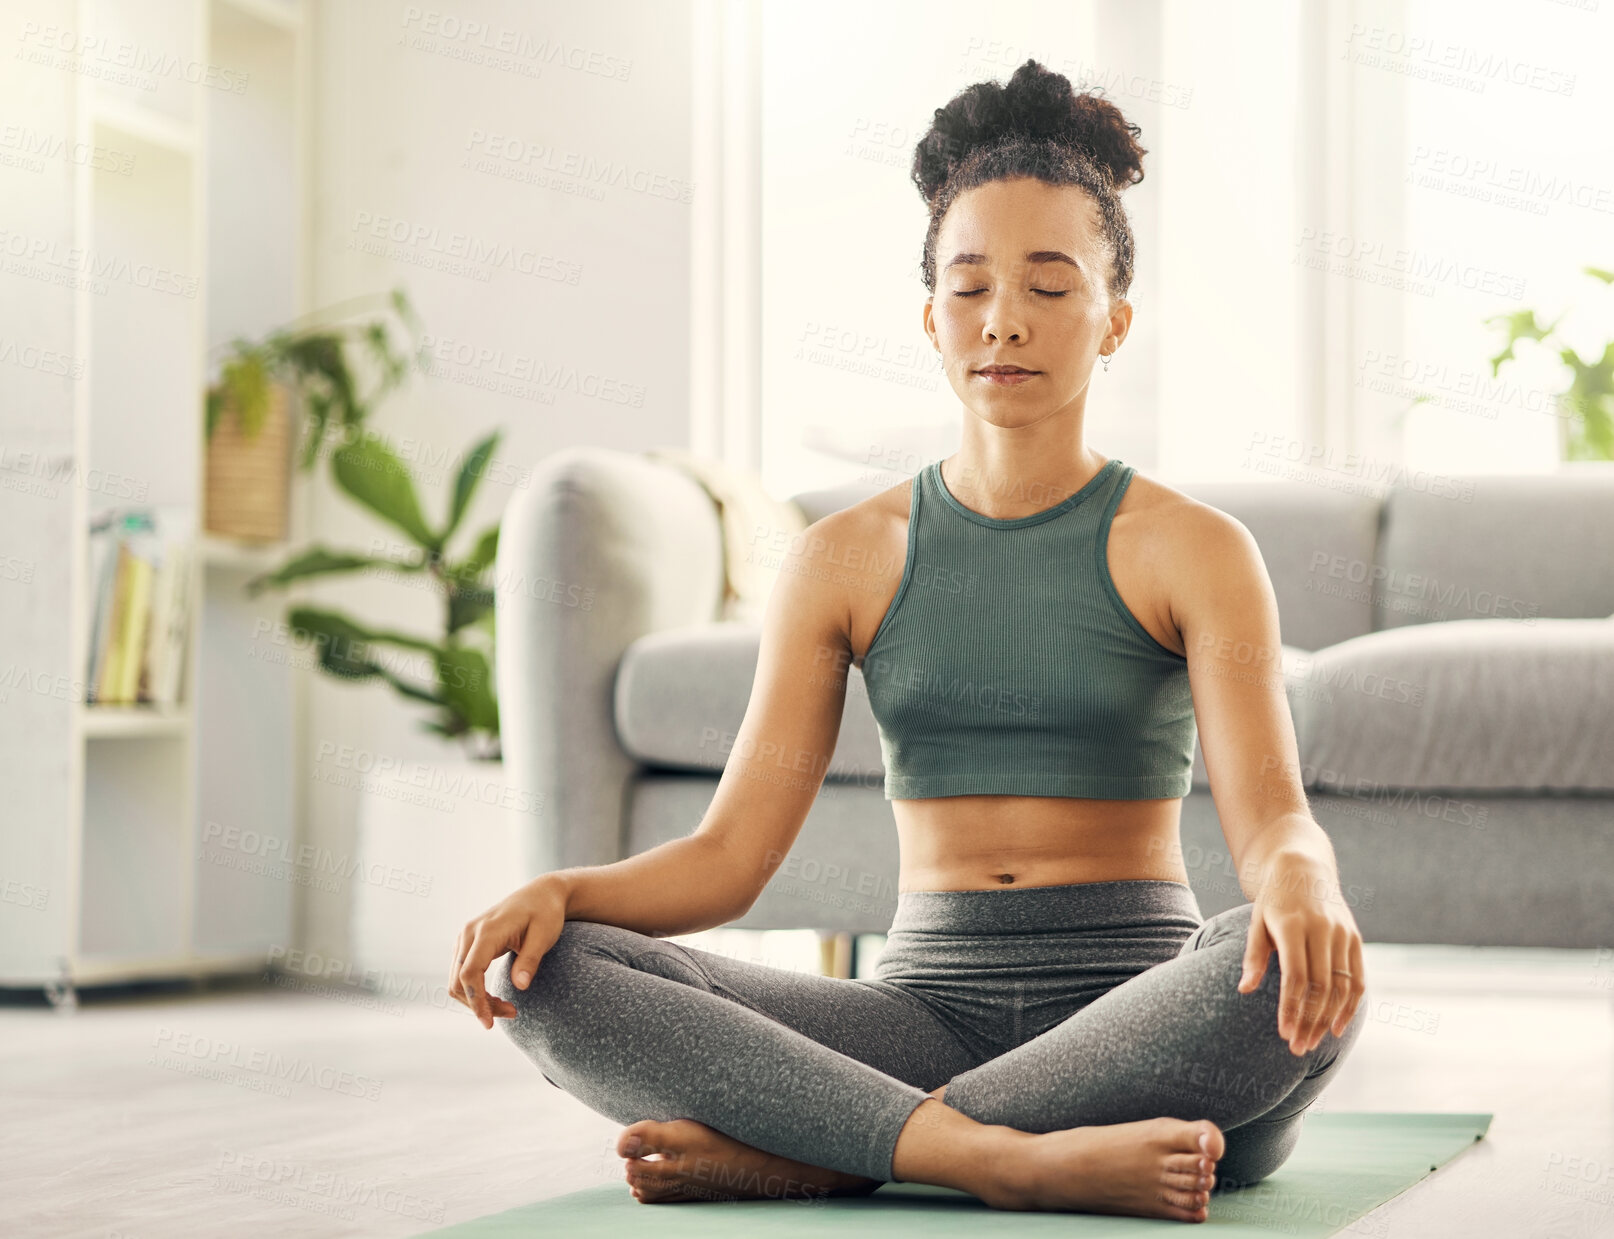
(1448, 655)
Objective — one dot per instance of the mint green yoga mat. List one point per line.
(1344, 1166)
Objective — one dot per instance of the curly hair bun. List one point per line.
(1036, 104)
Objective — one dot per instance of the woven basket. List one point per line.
(247, 479)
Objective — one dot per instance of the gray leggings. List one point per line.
(1040, 1008)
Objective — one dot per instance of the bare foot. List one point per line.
(694, 1162)
(1153, 1168)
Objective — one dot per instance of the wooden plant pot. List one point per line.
(248, 479)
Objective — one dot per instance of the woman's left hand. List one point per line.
(1299, 912)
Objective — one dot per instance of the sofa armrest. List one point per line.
(603, 547)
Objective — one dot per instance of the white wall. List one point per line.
(1224, 251)
(411, 105)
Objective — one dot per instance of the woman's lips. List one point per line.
(1009, 379)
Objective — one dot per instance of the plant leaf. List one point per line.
(468, 599)
(248, 380)
(412, 691)
(1591, 397)
(344, 647)
(317, 620)
(1521, 325)
(317, 561)
(319, 417)
(469, 477)
(368, 470)
(466, 606)
(215, 407)
(318, 357)
(466, 684)
(399, 299)
(393, 366)
(483, 554)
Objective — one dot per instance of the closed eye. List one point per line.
(1046, 292)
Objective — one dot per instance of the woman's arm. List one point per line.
(1224, 607)
(776, 761)
(679, 887)
(775, 766)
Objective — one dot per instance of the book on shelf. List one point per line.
(140, 607)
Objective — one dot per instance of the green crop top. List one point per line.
(1007, 663)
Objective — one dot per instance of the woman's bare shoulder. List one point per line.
(1170, 520)
(854, 536)
(855, 556)
(1190, 546)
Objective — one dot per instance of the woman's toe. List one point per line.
(1194, 1182)
(637, 1139)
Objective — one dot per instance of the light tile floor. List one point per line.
(286, 1112)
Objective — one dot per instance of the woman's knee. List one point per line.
(578, 948)
(577, 984)
(552, 1020)
(1231, 923)
(1255, 1151)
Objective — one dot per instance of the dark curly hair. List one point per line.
(1033, 126)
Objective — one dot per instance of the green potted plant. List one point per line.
(460, 692)
(1586, 406)
(249, 407)
(339, 372)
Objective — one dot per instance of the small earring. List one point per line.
(1105, 361)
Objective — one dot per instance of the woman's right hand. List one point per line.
(527, 922)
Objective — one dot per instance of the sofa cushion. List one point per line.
(681, 695)
(1505, 547)
(1474, 705)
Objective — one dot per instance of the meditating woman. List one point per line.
(1052, 1024)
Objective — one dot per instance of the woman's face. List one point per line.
(1021, 280)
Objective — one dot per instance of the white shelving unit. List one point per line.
(196, 234)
